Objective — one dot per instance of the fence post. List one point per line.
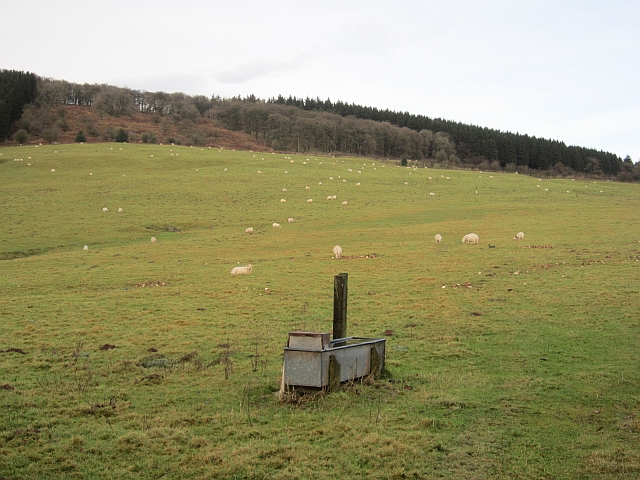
(340, 293)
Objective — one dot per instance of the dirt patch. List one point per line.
(6, 386)
(14, 350)
(538, 246)
(388, 333)
(107, 346)
(355, 257)
(188, 357)
(152, 350)
(149, 283)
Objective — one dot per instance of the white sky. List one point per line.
(568, 70)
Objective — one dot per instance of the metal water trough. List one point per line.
(314, 362)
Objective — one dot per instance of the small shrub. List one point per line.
(174, 140)
(80, 137)
(149, 137)
(51, 134)
(403, 162)
(122, 136)
(64, 125)
(21, 137)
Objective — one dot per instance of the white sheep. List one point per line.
(357, 184)
(471, 238)
(310, 201)
(276, 226)
(105, 209)
(432, 194)
(284, 189)
(120, 210)
(53, 170)
(153, 240)
(242, 270)
(330, 178)
(319, 183)
(329, 197)
(344, 203)
(290, 220)
(307, 188)
(86, 247)
(249, 230)
(333, 197)
(519, 236)
(438, 239)
(337, 251)
(282, 200)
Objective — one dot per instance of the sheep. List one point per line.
(284, 189)
(249, 230)
(307, 188)
(344, 203)
(86, 247)
(358, 184)
(429, 178)
(471, 238)
(242, 270)
(120, 210)
(519, 236)
(310, 201)
(153, 240)
(431, 194)
(290, 220)
(282, 200)
(333, 197)
(319, 183)
(344, 180)
(276, 226)
(105, 209)
(438, 239)
(53, 170)
(329, 197)
(330, 178)
(337, 251)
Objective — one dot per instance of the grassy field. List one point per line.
(519, 361)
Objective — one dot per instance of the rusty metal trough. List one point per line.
(314, 362)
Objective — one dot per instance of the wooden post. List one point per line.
(340, 292)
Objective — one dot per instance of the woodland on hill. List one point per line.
(30, 110)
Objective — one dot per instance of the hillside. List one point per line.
(288, 125)
(99, 127)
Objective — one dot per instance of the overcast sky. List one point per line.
(568, 70)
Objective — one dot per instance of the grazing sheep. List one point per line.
(519, 236)
(344, 203)
(337, 251)
(310, 201)
(307, 187)
(90, 174)
(438, 239)
(357, 184)
(276, 226)
(53, 170)
(333, 197)
(471, 238)
(290, 220)
(319, 183)
(432, 194)
(86, 247)
(330, 178)
(242, 270)
(429, 178)
(105, 209)
(282, 200)
(249, 230)
(153, 240)
(120, 210)
(284, 189)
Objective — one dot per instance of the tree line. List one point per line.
(17, 89)
(314, 125)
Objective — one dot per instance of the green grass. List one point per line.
(531, 374)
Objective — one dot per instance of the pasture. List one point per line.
(518, 361)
